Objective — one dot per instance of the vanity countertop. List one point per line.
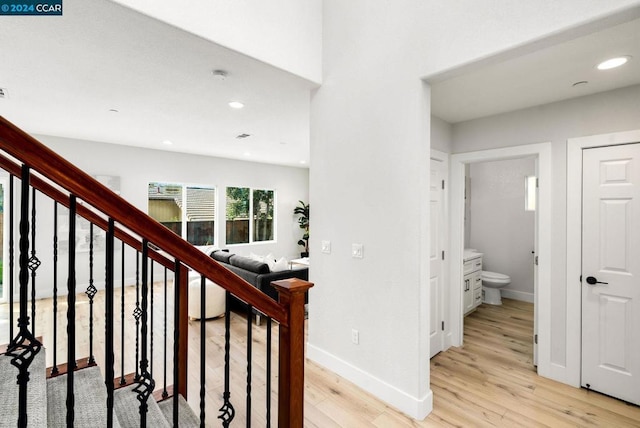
(470, 254)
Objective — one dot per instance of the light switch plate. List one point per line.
(357, 251)
(325, 247)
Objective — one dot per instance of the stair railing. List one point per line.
(42, 169)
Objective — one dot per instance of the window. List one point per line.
(250, 215)
(530, 192)
(189, 211)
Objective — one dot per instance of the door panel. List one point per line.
(611, 271)
(437, 228)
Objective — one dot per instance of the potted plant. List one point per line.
(302, 210)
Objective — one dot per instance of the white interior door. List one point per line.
(611, 271)
(436, 255)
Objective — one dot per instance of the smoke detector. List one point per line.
(219, 74)
(3, 93)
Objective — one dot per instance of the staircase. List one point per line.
(130, 241)
(46, 400)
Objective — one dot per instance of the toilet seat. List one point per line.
(495, 277)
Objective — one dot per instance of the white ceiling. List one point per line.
(64, 75)
(516, 80)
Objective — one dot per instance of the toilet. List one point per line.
(492, 282)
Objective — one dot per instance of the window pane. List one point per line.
(237, 215)
(201, 214)
(530, 185)
(263, 201)
(165, 205)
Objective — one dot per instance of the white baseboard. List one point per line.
(523, 296)
(416, 408)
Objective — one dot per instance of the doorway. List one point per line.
(542, 292)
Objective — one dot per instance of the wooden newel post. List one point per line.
(291, 363)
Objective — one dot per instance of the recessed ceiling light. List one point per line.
(241, 136)
(113, 110)
(3, 93)
(580, 83)
(167, 142)
(613, 62)
(303, 162)
(247, 154)
(219, 74)
(236, 104)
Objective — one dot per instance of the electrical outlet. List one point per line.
(325, 247)
(357, 251)
(355, 336)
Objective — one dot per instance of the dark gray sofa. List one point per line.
(257, 274)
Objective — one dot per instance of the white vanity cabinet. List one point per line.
(472, 281)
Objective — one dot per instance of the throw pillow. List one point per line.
(280, 265)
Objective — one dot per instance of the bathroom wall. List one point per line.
(500, 227)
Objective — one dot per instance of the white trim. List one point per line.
(543, 298)
(417, 408)
(574, 240)
(4, 182)
(522, 296)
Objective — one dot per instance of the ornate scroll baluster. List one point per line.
(136, 314)
(151, 327)
(146, 383)
(91, 292)
(71, 312)
(24, 347)
(227, 412)
(54, 369)
(34, 263)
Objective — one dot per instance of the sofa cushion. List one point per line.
(249, 264)
(222, 256)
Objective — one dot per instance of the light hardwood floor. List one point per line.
(490, 381)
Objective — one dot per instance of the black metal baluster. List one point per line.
(151, 328)
(71, 312)
(91, 292)
(227, 412)
(203, 341)
(176, 338)
(54, 369)
(11, 271)
(136, 314)
(165, 394)
(109, 289)
(268, 372)
(249, 344)
(146, 383)
(122, 379)
(24, 347)
(34, 263)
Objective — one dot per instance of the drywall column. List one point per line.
(369, 185)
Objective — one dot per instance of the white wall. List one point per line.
(136, 167)
(501, 229)
(284, 33)
(370, 143)
(441, 135)
(596, 114)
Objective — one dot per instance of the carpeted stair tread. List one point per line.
(36, 392)
(127, 407)
(187, 417)
(90, 395)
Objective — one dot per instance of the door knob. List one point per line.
(591, 280)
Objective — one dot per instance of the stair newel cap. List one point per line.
(291, 286)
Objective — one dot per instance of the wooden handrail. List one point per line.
(45, 161)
